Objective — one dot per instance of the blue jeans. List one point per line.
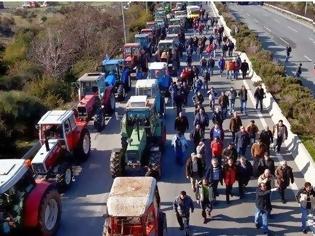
(241, 151)
(263, 216)
(232, 105)
(244, 106)
(305, 213)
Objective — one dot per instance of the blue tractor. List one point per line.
(145, 42)
(118, 76)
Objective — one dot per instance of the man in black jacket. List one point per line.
(259, 95)
(266, 138)
(244, 69)
(181, 123)
(263, 206)
(244, 172)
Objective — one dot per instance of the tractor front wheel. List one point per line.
(64, 176)
(99, 121)
(162, 231)
(50, 212)
(116, 163)
(84, 146)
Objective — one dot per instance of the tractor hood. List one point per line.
(86, 101)
(110, 80)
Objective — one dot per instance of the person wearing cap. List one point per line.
(194, 170)
(252, 130)
(182, 206)
(205, 197)
(284, 176)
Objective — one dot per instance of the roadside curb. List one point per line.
(301, 156)
(290, 13)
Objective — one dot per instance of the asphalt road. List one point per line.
(276, 31)
(84, 204)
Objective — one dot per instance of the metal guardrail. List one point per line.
(290, 13)
(32, 151)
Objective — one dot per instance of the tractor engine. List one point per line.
(88, 105)
(47, 157)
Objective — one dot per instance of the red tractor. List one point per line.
(64, 140)
(97, 98)
(132, 54)
(134, 208)
(26, 203)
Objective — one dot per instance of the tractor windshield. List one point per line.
(49, 131)
(131, 51)
(11, 204)
(88, 87)
(174, 30)
(110, 68)
(165, 46)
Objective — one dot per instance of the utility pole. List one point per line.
(123, 18)
(146, 7)
(305, 9)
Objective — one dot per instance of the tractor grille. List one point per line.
(82, 111)
(132, 158)
(39, 168)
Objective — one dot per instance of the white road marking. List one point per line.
(267, 29)
(307, 58)
(276, 20)
(284, 40)
(294, 30)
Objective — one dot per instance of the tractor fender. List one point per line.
(107, 93)
(32, 203)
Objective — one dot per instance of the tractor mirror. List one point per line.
(37, 127)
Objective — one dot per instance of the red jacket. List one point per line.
(229, 175)
(216, 148)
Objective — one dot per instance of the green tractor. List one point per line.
(143, 135)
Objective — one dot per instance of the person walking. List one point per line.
(243, 99)
(244, 68)
(252, 131)
(242, 141)
(216, 132)
(284, 176)
(269, 180)
(197, 135)
(288, 52)
(244, 173)
(180, 145)
(266, 138)
(194, 170)
(211, 64)
(205, 196)
(214, 175)
(221, 65)
(263, 206)
(306, 198)
(182, 206)
(216, 149)
(206, 81)
(259, 95)
(232, 94)
(281, 132)
(212, 95)
(229, 152)
(230, 66)
(298, 71)
(181, 123)
(179, 101)
(202, 119)
(223, 101)
(258, 151)
(229, 176)
(235, 125)
(173, 91)
(230, 48)
(217, 117)
(268, 163)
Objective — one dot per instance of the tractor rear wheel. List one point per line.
(116, 163)
(162, 231)
(84, 146)
(49, 213)
(64, 176)
(99, 121)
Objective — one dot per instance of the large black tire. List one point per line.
(110, 107)
(121, 93)
(82, 152)
(162, 231)
(99, 120)
(49, 213)
(116, 163)
(64, 176)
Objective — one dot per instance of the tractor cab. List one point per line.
(180, 13)
(24, 202)
(159, 71)
(174, 29)
(112, 66)
(133, 208)
(91, 84)
(166, 45)
(174, 21)
(144, 41)
(132, 54)
(193, 11)
(150, 32)
(152, 25)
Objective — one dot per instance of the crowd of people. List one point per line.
(211, 162)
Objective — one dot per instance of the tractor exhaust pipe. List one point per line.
(47, 145)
